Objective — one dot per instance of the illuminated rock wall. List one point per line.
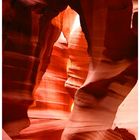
(28, 44)
(51, 98)
(28, 38)
(66, 72)
(78, 62)
(112, 72)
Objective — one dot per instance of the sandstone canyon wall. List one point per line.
(51, 60)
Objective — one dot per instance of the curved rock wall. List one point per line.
(112, 72)
(27, 48)
(28, 37)
(19, 62)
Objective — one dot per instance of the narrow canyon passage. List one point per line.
(46, 62)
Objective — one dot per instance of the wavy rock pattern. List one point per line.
(25, 56)
(112, 72)
(129, 106)
(19, 63)
(51, 97)
(78, 62)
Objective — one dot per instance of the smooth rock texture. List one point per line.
(127, 113)
(19, 62)
(78, 62)
(52, 98)
(46, 34)
(112, 72)
(5, 136)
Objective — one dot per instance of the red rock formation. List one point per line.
(27, 49)
(51, 98)
(111, 75)
(78, 62)
(24, 54)
(19, 63)
(5, 136)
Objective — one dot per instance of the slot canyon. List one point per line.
(69, 70)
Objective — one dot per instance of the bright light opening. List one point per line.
(72, 106)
